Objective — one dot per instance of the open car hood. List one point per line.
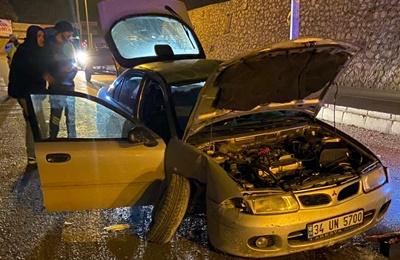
(293, 74)
(143, 31)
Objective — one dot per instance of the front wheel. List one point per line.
(88, 73)
(170, 209)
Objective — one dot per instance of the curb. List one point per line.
(4, 99)
(372, 120)
(3, 91)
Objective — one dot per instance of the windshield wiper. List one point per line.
(254, 124)
(272, 121)
(172, 11)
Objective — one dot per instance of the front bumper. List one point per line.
(235, 232)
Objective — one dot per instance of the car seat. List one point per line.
(185, 102)
(156, 117)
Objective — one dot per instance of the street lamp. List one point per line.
(87, 26)
(87, 22)
(295, 19)
(78, 16)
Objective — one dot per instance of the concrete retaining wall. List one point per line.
(238, 26)
(378, 121)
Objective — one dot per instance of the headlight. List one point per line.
(82, 57)
(272, 204)
(374, 179)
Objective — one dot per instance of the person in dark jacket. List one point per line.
(63, 68)
(28, 72)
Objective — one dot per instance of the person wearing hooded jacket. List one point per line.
(28, 72)
(61, 61)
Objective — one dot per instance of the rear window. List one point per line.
(135, 37)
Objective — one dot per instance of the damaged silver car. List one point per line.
(237, 140)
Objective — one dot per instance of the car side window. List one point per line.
(153, 111)
(115, 85)
(82, 119)
(129, 90)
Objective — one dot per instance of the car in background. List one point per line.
(80, 52)
(99, 61)
(237, 140)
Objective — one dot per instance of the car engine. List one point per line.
(295, 159)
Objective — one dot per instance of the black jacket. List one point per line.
(28, 66)
(61, 62)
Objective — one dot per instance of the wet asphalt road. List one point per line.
(27, 231)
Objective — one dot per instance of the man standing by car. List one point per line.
(62, 66)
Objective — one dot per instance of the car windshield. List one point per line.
(184, 97)
(135, 37)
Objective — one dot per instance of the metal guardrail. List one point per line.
(387, 101)
(376, 94)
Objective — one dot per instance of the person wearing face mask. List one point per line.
(61, 61)
(28, 72)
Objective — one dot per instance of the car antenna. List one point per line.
(172, 11)
(211, 136)
(334, 105)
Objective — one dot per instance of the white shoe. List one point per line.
(31, 160)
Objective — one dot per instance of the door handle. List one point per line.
(58, 157)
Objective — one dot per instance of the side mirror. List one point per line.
(139, 135)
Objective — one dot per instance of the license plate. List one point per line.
(334, 225)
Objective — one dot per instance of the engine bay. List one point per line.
(293, 159)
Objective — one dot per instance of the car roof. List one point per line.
(182, 70)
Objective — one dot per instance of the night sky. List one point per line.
(52, 11)
(191, 4)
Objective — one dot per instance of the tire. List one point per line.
(170, 209)
(88, 73)
(88, 77)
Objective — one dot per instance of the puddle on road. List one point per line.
(82, 226)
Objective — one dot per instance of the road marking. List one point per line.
(82, 226)
(3, 91)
